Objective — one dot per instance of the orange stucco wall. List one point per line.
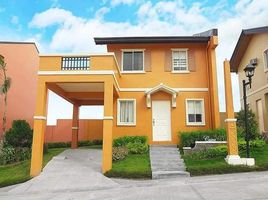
(22, 63)
(62, 131)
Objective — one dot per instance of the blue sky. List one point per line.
(59, 26)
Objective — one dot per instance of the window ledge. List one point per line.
(133, 72)
(120, 124)
(181, 72)
(194, 124)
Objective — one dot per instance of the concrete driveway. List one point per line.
(76, 174)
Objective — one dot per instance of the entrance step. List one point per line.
(166, 162)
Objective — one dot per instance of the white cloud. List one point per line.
(75, 34)
(118, 2)
(14, 20)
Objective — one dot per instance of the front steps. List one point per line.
(166, 162)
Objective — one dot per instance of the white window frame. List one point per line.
(187, 61)
(118, 113)
(203, 123)
(265, 60)
(122, 61)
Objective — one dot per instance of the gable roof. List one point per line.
(242, 44)
(161, 87)
(203, 37)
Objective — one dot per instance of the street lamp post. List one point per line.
(249, 71)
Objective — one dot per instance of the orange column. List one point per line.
(107, 127)
(230, 120)
(39, 129)
(75, 126)
(213, 82)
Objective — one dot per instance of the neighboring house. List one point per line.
(253, 43)
(22, 65)
(152, 86)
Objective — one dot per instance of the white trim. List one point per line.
(180, 72)
(179, 49)
(100, 72)
(187, 64)
(230, 120)
(133, 72)
(108, 117)
(74, 128)
(176, 89)
(203, 123)
(236, 160)
(132, 50)
(118, 113)
(265, 60)
(77, 54)
(40, 117)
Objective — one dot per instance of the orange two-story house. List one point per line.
(152, 86)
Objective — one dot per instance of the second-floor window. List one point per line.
(133, 60)
(179, 60)
(266, 59)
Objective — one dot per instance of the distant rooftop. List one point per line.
(203, 37)
(242, 44)
(14, 42)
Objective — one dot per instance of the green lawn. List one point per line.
(94, 146)
(219, 166)
(133, 166)
(19, 172)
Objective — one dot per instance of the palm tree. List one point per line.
(4, 87)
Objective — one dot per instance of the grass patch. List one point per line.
(219, 166)
(133, 166)
(20, 172)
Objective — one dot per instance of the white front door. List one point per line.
(161, 120)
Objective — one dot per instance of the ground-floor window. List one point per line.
(195, 114)
(126, 112)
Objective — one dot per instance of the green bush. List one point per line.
(123, 141)
(119, 153)
(97, 142)
(187, 139)
(20, 135)
(253, 128)
(10, 154)
(137, 148)
(59, 144)
(219, 151)
(253, 144)
(85, 143)
(135, 144)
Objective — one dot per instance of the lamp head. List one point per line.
(249, 70)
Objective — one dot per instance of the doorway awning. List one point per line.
(164, 88)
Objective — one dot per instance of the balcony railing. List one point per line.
(75, 63)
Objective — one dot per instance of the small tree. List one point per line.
(253, 128)
(20, 135)
(4, 87)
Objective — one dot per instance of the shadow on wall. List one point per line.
(62, 131)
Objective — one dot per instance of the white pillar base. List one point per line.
(236, 160)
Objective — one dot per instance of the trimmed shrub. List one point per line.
(20, 135)
(137, 148)
(119, 153)
(85, 143)
(123, 141)
(59, 144)
(219, 151)
(135, 144)
(187, 139)
(253, 144)
(97, 142)
(253, 128)
(10, 155)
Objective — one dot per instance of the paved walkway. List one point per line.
(79, 177)
(166, 162)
